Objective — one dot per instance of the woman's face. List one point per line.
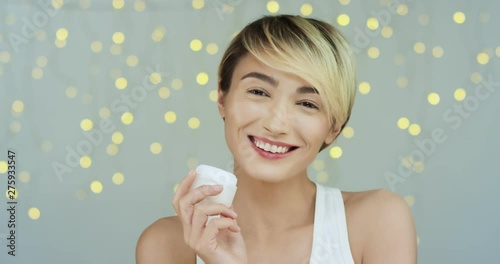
(268, 106)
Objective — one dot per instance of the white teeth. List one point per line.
(270, 148)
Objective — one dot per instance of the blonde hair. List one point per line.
(311, 49)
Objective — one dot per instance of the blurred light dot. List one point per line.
(40, 35)
(418, 240)
(139, 5)
(96, 46)
(476, 77)
(344, 2)
(11, 193)
(437, 52)
(410, 200)
(273, 6)
(175, 187)
(194, 123)
(372, 23)
(118, 37)
(402, 9)
(118, 178)
(46, 146)
(33, 212)
(37, 73)
(322, 177)
(84, 4)
(86, 124)
(414, 129)
(459, 94)
(164, 92)
(80, 194)
(115, 73)
(15, 127)
(195, 45)
(118, 4)
(112, 149)
(213, 95)
(423, 20)
(170, 117)
(41, 61)
(433, 98)
(96, 186)
(399, 59)
(459, 17)
(484, 17)
(132, 61)
(4, 56)
(62, 34)
(104, 112)
(155, 148)
(483, 58)
(343, 20)
(127, 118)
(158, 33)
(121, 83)
(387, 32)
(403, 123)
(87, 99)
(202, 78)
(198, 4)
(212, 48)
(364, 87)
(418, 166)
(306, 9)
(115, 49)
(348, 132)
(85, 161)
(24, 176)
(419, 47)
(60, 43)
(373, 52)
(117, 137)
(318, 164)
(176, 84)
(402, 82)
(17, 106)
(3, 166)
(336, 152)
(191, 163)
(10, 19)
(155, 78)
(57, 4)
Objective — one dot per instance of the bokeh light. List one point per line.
(335, 152)
(34, 213)
(96, 187)
(343, 19)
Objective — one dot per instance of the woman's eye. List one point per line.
(257, 92)
(309, 105)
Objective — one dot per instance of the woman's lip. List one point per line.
(279, 144)
(270, 155)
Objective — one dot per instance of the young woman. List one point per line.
(286, 90)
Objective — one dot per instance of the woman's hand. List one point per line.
(220, 241)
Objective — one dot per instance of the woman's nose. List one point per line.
(278, 120)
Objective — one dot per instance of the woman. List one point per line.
(286, 90)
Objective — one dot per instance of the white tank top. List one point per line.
(330, 241)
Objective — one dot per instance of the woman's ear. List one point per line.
(332, 134)
(220, 102)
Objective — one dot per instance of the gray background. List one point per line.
(451, 187)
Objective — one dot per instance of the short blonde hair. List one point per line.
(309, 48)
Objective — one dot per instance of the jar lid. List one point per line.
(220, 176)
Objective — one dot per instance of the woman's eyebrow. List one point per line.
(274, 82)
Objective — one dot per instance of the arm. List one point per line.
(391, 238)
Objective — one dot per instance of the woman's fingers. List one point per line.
(183, 189)
(215, 225)
(200, 217)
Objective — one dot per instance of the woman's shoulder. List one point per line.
(163, 242)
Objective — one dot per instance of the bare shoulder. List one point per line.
(163, 242)
(382, 227)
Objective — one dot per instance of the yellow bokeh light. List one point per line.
(399, 59)
(155, 78)
(343, 20)
(41, 61)
(164, 92)
(117, 137)
(96, 186)
(115, 49)
(410, 200)
(198, 4)
(497, 51)
(62, 34)
(121, 83)
(403, 123)
(170, 117)
(80, 194)
(3, 166)
(212, 48)
(418, 166)
(387, 32)
(57, 4)
(118, 178)
(476, 77)
(104, 112)
(11, 194)
(118, 37)
(419, 47)
(87, 99)
(364, 87)
(158, 33)
(37, 73)
(322, 177)
(423, 20)
(46, 146)
(86, 124)
(127, 118)
(402, 82)
(132, 60)
(195, 45)
(15, 127)
(176, 84)
(139, 5)
(112, 149)
(460, 94)
(373, 52)
(24, 176)
(191, 163)
(60, 43)
(344, 2)
(414, 129)
(193, 123)
(213, 95)
(459, 17)
(84, 4)
(96, 46)
(402, 9)
(40, 35)
(336, 152)
(437, 52)
(17, 106)
(118, 4)
(348, 132)
(318, 164)
(306, 9)
(33, 212)
(433, 98)
(483, 58)
(85, 162)
(273, 7)
(175, 187)
(4, 56)
(202, 78)
(155, 148)
(372, 23)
